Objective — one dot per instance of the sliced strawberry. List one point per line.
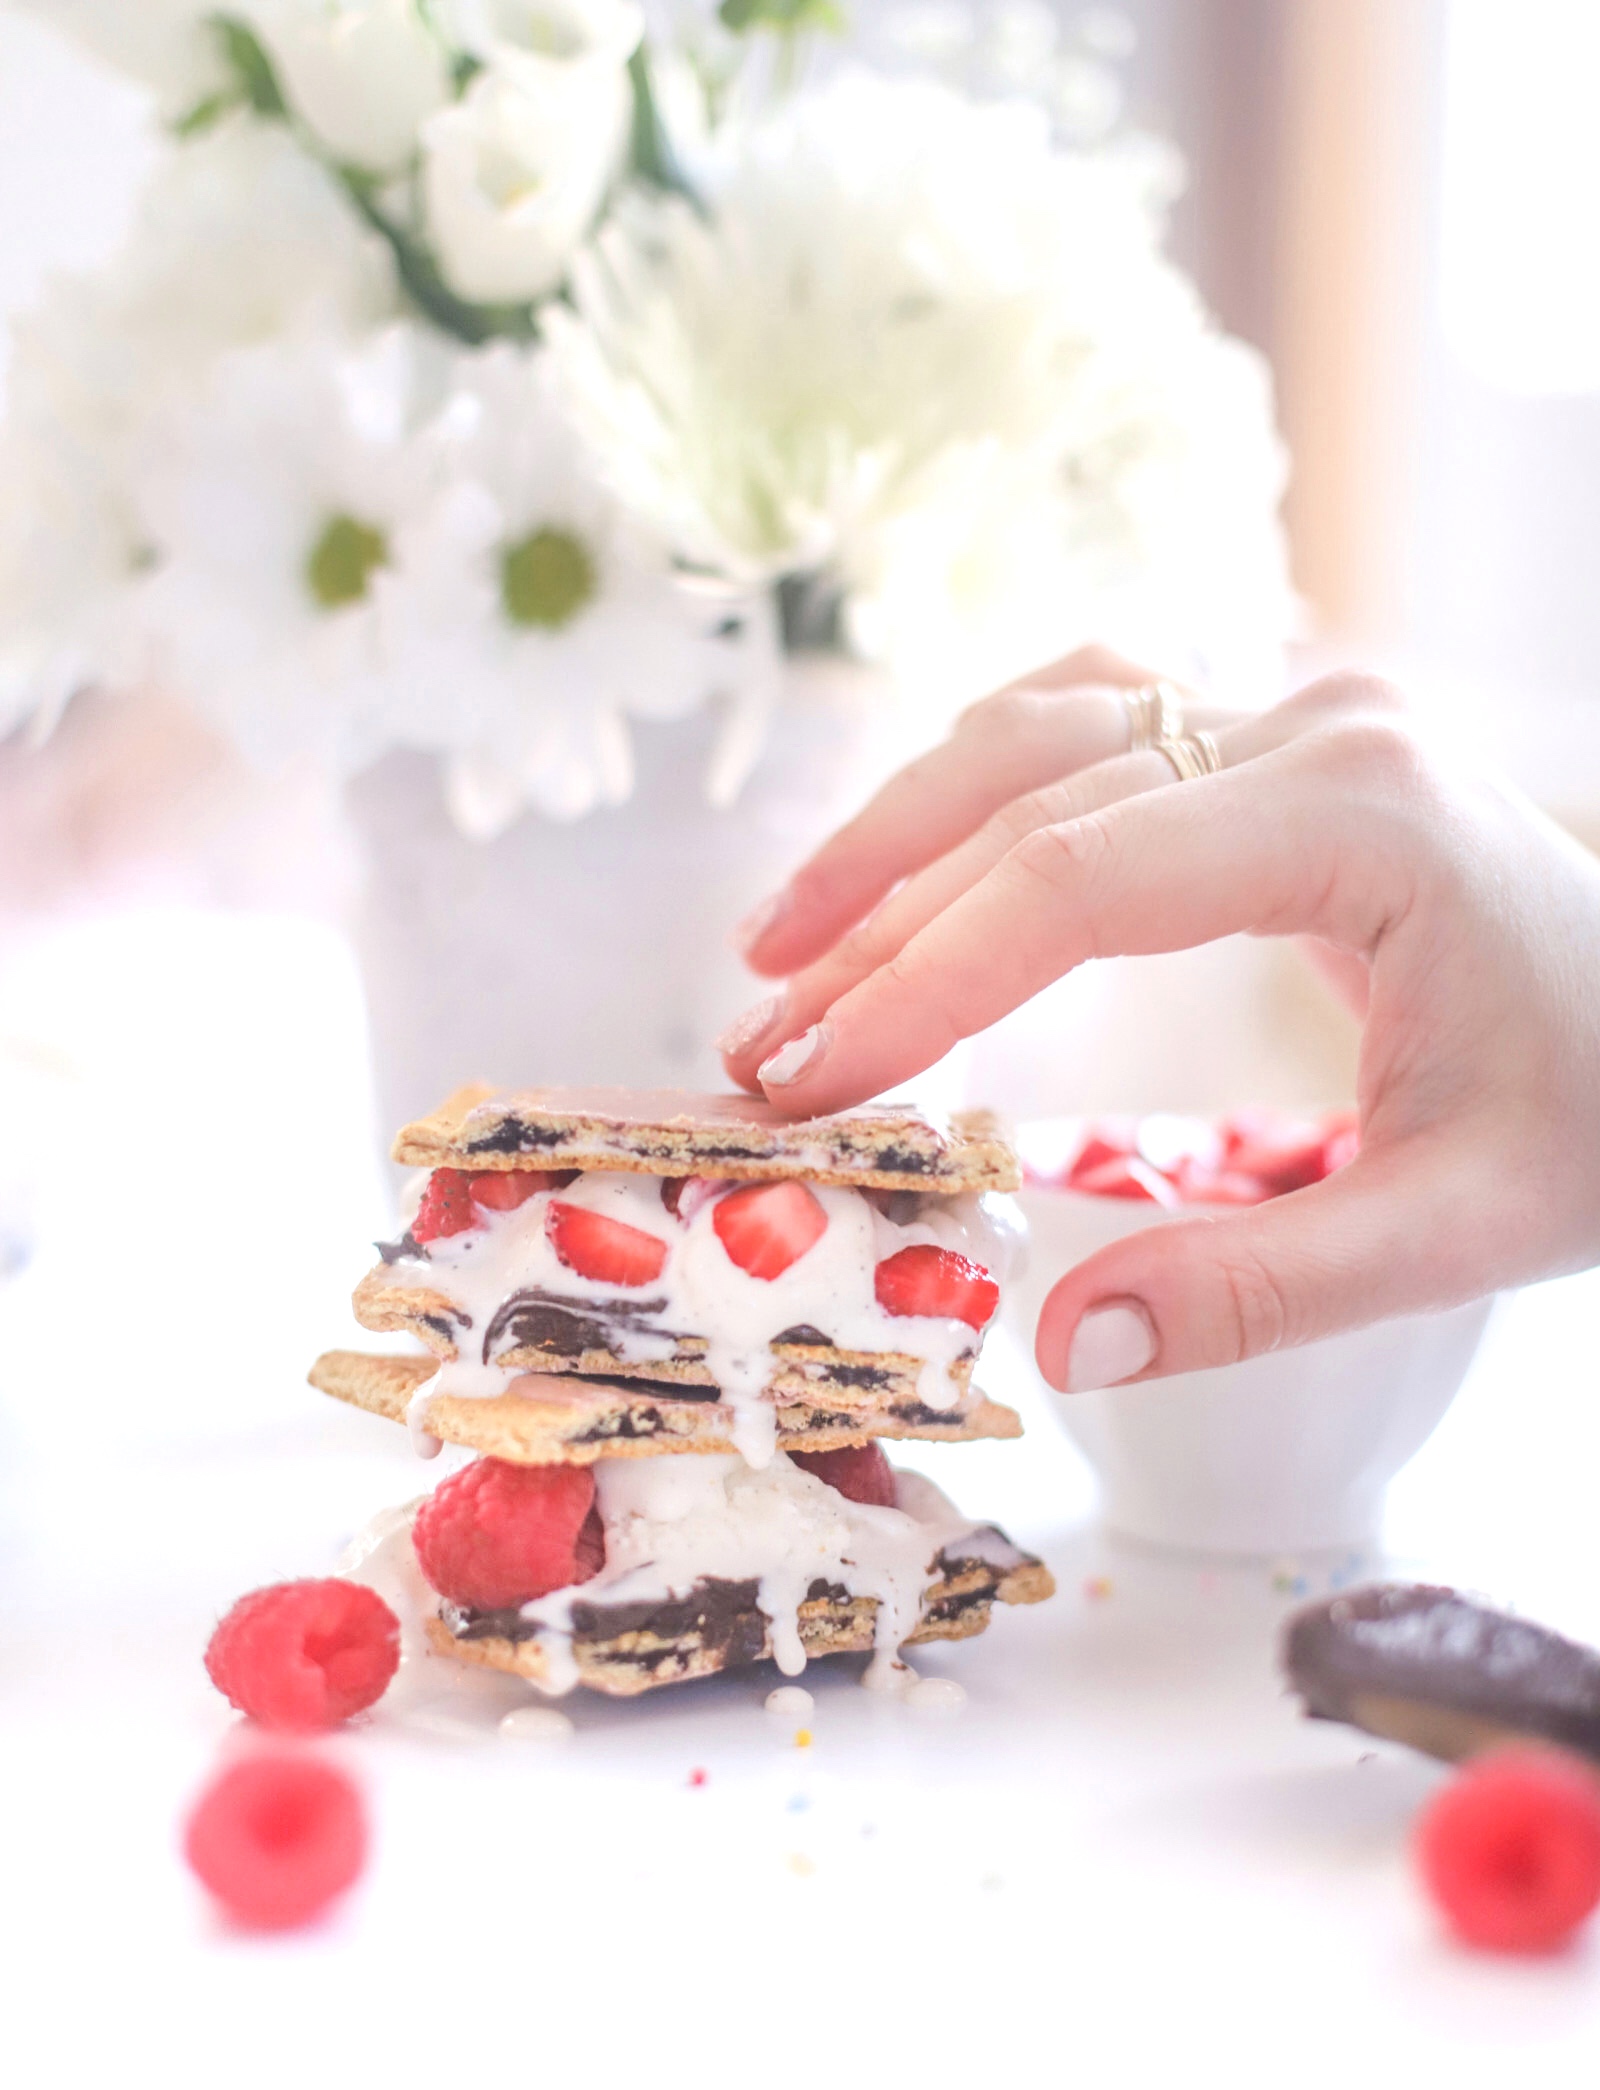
(1095, 1152)
(446, 1206)
(767, 1226)
(503, 1189)
(604, 1249)
(937, 1284)
(1127, 1176)
(860, 1472)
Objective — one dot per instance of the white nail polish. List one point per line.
(752, 1026)
(1109, 1345)
(760, 919)
(790, 1061)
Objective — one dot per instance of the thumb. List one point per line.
(1391, 1234)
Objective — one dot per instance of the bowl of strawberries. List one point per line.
(1287, 1453)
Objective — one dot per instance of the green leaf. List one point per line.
(789, 17)
(194, 122)
(650, 154)
(419, 273)
(250, 65)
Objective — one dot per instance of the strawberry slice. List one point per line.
(601, 1248)
(446, 1206)
(503, 1189)
(1126, 1176)
(1095, 1152)
(860, 1472)
(936, 1284)
(767, 1226)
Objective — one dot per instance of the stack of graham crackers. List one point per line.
(675, 1328)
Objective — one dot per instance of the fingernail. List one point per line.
(760, 919)
(1109, 1345)
(750, 1028)
(798, 1057)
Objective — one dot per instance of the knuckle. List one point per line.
(1046, 807)
(1009, 714)
(921, 984)
(1064, 855)
(1350, 690)
(1378, 751)
(1258, 1311)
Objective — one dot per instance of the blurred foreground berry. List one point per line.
(305, 1654)
(276, 1837)
(1510, 1849)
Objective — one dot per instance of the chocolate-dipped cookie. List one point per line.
(1429, 1667)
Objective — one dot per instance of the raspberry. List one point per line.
(276, 1837)
(860, 1472)
(305, 1654)
(446, 1206)
(1510, 1849)
(494, 1535)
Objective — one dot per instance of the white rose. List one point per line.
(529, 38)
(514, 173)
(363, 74)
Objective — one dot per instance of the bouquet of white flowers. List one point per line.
(481, 374)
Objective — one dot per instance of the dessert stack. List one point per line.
(676, 1329)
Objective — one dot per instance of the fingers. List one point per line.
(1391, 1234)
(1026, 735)
(1260, 848)
(880, 938)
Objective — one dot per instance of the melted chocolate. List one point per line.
(1427, 1666)
(534, 1319)
(407, 1249)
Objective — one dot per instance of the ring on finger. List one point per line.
(1192, 755)
(1155, 714)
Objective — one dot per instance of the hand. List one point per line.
(1465, 927)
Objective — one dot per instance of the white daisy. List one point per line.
(898, 312)
(239, 237)
(553, 618)
(275, 502)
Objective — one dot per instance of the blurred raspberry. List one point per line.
(276, 1837)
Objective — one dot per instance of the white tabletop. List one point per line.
(1127, 1861)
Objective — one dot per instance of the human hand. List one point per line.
(1466, 924)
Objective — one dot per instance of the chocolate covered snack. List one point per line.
(855, 1274)
(1428, 1667)
(635, 1573)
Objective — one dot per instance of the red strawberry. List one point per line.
(1096, 1151)
(860, 1472)
(503, 1189)
(446, 1206)
(1126, 1176)
(495, 1534)
(767, 1226)
(604, 1249)
(937, 1284)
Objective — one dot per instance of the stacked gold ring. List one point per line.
(1155, 714)
(1192, 755)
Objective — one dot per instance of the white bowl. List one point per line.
(1286, 1454)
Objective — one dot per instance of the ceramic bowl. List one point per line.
(1285, 1454)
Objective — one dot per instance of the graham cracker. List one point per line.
(680, 1645)
(677, 1132)
(556, 1419)
(858, 1379)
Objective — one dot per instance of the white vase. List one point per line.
(596, 950)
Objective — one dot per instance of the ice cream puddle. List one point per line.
(673, 1525)
(506, 1266)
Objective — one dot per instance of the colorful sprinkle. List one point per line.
(697, 1777)
(798, 1803)
(802, 1737)
(1097, 1588)
(800, 1864)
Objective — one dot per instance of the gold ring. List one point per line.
(1192, 755)
(1155, 713)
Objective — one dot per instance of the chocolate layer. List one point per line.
(1429, 1667)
